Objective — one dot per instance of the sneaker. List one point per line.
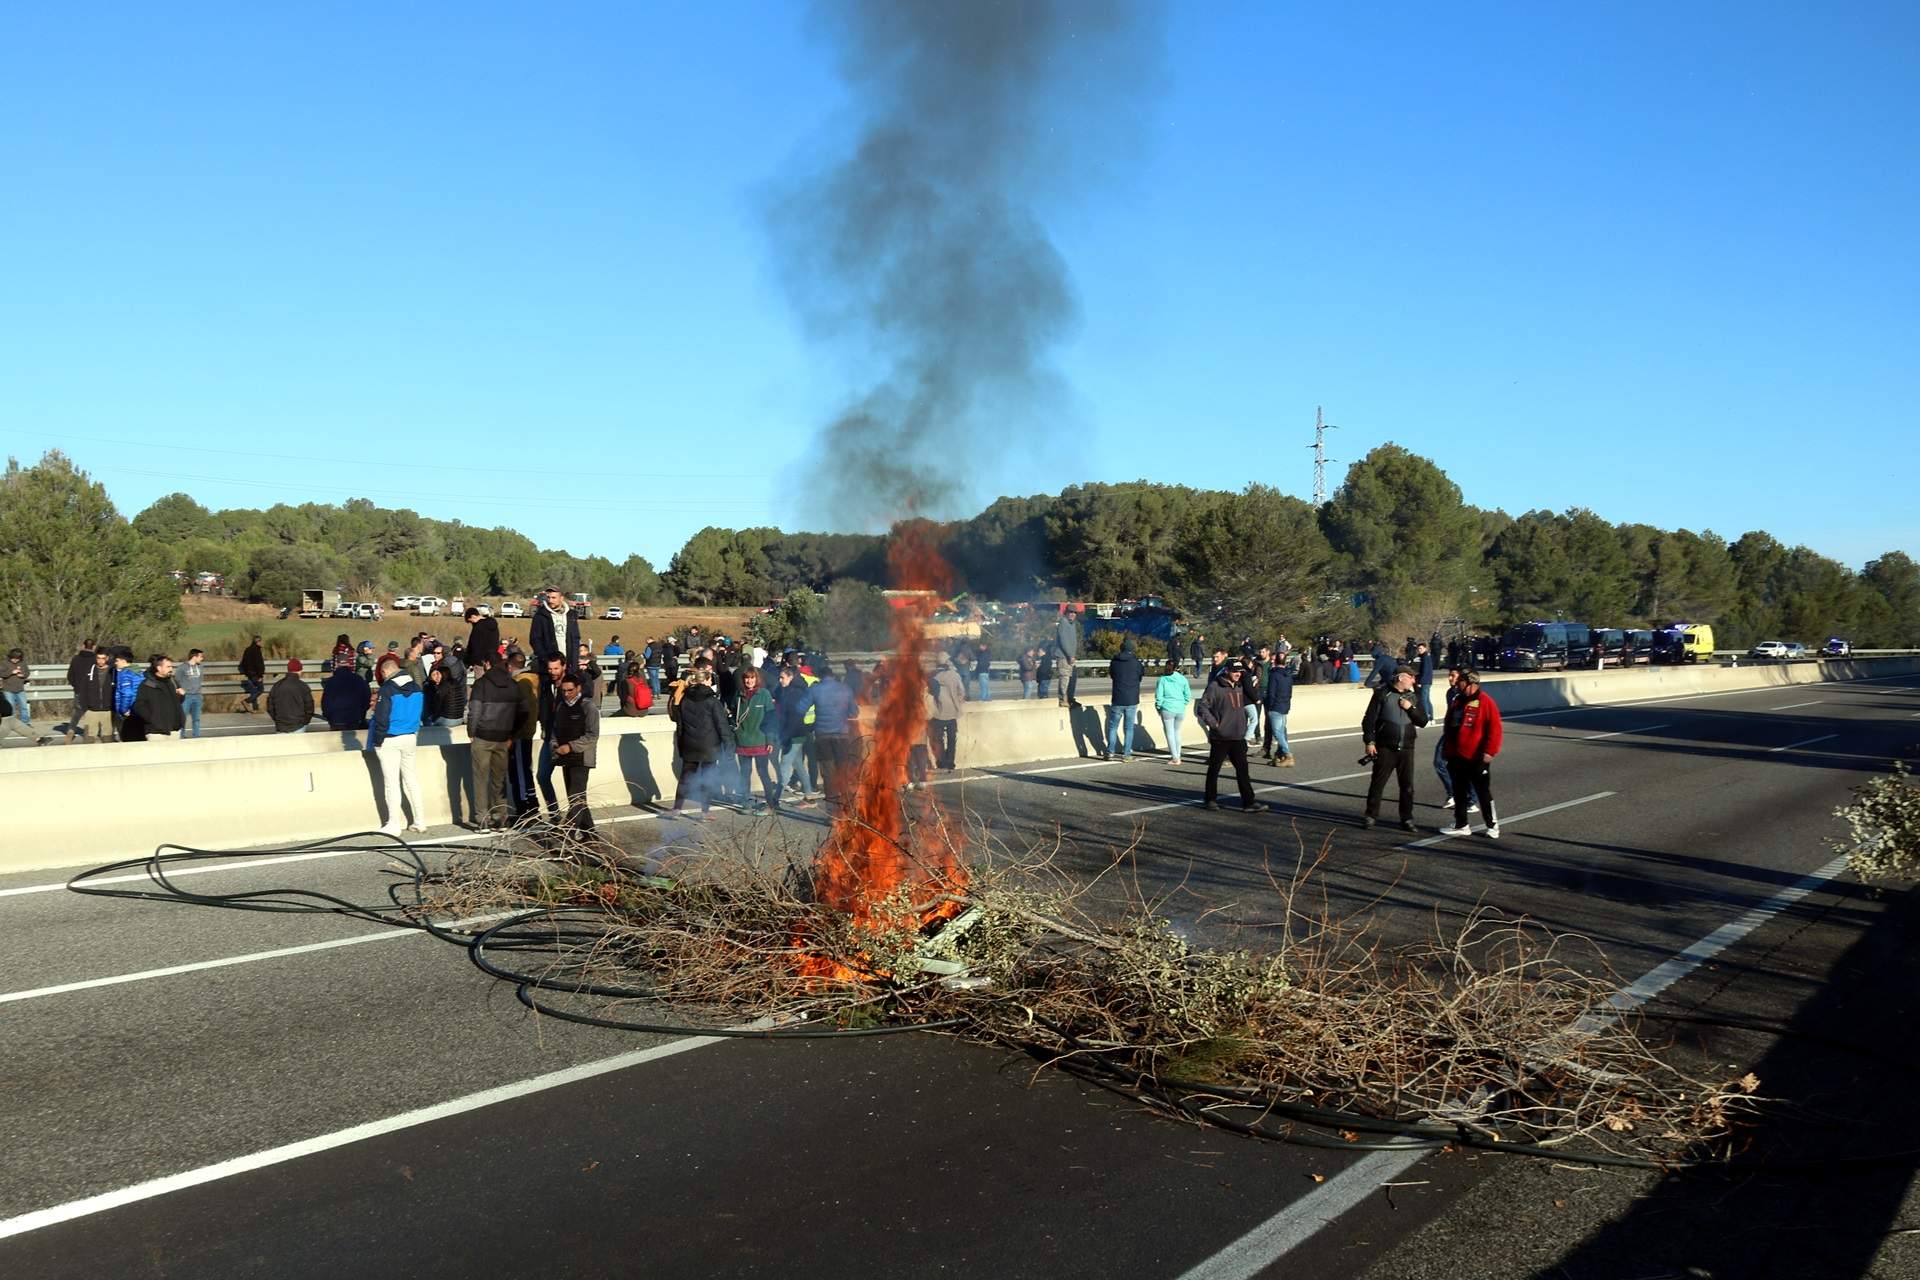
(391, 829)
(417, 827)
(1209, 804)
(1456, 831)
(1473, 806)
(1126, 759)
(1256, 807)
(1407, 825)
(482, 831)
(1366, 824)
(1492, 832)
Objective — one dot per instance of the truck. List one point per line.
(316, 602)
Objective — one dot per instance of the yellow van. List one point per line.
(1685, 642)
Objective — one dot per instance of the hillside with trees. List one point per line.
(1396, 550)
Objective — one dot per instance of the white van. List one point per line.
(511, 609)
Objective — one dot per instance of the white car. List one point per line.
(1795, 651)
(426, 608)
(369, 611)
(612, 614)
(405, 602)
(508, 609)
(1768, 649)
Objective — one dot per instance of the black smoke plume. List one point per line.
(916, 250)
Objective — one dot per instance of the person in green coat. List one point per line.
(1172, 696)
(753, 737)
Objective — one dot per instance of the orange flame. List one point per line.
(879, 843)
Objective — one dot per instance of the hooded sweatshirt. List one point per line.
(1127, 671)
(397, 712)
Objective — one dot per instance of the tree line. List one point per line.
(1396, 550)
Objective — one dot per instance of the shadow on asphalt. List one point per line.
(1851, 1109)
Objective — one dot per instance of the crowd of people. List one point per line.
(532, 710)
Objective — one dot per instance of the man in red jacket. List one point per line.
(1471, 740)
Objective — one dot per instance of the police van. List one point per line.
(1547, 646)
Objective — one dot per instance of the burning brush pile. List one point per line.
(909, 916)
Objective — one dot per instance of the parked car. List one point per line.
(1795, 652)
(426, 608)
(613, 614)
(1835, 647)
(1774, 649)
(511, 609)
(368, 611)
(1639, 646)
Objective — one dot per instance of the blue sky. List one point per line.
(1653, 259)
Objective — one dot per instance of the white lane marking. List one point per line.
(1665, 974)
(1794, 706)
(1518, 817)
(1292, 1226)
(198, 965)
(1804, 742)
(1618, 732)
(1275, 786)
(39, 1218)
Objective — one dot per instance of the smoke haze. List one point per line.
(917, 249)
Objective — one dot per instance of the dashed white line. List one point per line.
(1274, 786)
(1595, 737)
(1518, 817)
(250, 958)
(39, 1218)
(1292, 1226)
(1804, 742)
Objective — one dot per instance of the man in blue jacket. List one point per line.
(834, 708)
(1123, 704)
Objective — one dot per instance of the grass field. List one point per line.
(223, 627)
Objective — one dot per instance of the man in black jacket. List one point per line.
(553, 631)
(495, 714)
(1392, 723)
(1222, 713)
(78, 670)
(1123, 703)
(156, 707)
(290, 704)
(253, 674)
(483, 637)
(345, 697)
(96, 698)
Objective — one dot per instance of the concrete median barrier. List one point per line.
(76, 806)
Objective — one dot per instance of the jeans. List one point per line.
(252, 689)
(942, 738)
(397, 774)
(1253, 723)
(190, 708)
(21, 711)
(653, 678)
(1170, 723)
(1045, 688)
(1277, 733)
(1026, 689)
(1440, 767)
(792, 757)
(543, 774)
(1120, 726)
(1426, 700)
(985, 693)
(769, 786)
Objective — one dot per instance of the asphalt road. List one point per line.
(335, 1048)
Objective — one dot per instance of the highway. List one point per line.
(196, 1092)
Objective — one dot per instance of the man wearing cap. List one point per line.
(1392, 723)
(290, 704)
(363, 662)
(1222, 711)
(553, 631)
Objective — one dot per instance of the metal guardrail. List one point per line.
(47, 682)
